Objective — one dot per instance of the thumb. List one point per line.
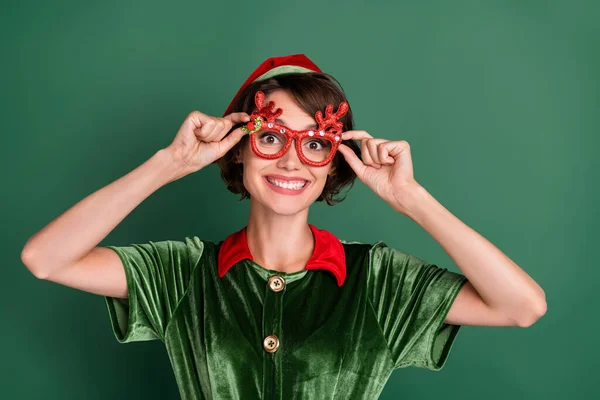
(352, 159)
(230, 140)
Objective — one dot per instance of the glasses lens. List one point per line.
(316, 149)
(270, 142)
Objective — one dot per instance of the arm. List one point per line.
(78, 230)
(499, 292)
(66, 252)
(142, 283)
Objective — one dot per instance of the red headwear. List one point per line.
(275, 66)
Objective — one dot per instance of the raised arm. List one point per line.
(65, 251)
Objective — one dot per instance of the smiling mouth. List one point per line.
(293, 185)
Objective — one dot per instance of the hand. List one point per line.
(386, 167)
(199, 141)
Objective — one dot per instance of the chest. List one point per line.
(271, 335)
(249, 317)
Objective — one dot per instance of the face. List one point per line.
(285, 185)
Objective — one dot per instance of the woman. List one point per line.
(282, 309)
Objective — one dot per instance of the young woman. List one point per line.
(282, 309)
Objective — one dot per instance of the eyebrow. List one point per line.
(282, 122)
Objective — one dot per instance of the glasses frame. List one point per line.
(329, 128)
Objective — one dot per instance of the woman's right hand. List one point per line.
(199, 141)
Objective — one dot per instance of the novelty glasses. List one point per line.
(271, 140)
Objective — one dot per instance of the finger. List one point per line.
(366, 154)
(356, 135)
(227, 125)
(352, 159)
(372, 146)
(208, 125)
(237, 117)
(220, 129)
(234, 137)
(197, 119)
(383, 150)
(400, 150)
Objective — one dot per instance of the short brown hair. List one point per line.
(312, 91)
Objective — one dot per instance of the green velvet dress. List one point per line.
(334, 342)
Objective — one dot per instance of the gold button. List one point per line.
(271, 343)
(276, 283)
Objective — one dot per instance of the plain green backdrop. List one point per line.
(499, 100)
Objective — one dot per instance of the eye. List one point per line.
(269, 138)
(317, 145)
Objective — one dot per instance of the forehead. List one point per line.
(292, 116)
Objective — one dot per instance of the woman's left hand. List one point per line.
(386, 167)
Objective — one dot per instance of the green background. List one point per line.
(499, 100)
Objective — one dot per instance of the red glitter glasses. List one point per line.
(271, 140)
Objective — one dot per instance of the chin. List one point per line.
(287, 207)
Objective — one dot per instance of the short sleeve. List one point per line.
(411, 300)
(158, 275)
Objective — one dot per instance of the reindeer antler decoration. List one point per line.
(263, 111)
(331, 118)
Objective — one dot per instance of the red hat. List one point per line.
(276, 66)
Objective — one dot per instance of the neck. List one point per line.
(278, 242)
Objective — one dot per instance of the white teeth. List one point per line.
(287, 185)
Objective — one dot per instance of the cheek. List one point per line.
(320, 173)
(320, 179)
(252, 173)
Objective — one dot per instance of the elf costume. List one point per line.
(236, 330)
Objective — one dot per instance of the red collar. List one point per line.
(328, 253)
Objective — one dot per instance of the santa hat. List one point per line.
(276, 66)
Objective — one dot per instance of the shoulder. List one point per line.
(380, 259)
(380, 253)
(366, 249)
(360, 255)
(191, 249)
(198, 247)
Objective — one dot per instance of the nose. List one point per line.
(290, 159)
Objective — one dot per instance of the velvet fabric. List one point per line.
(336, 342)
